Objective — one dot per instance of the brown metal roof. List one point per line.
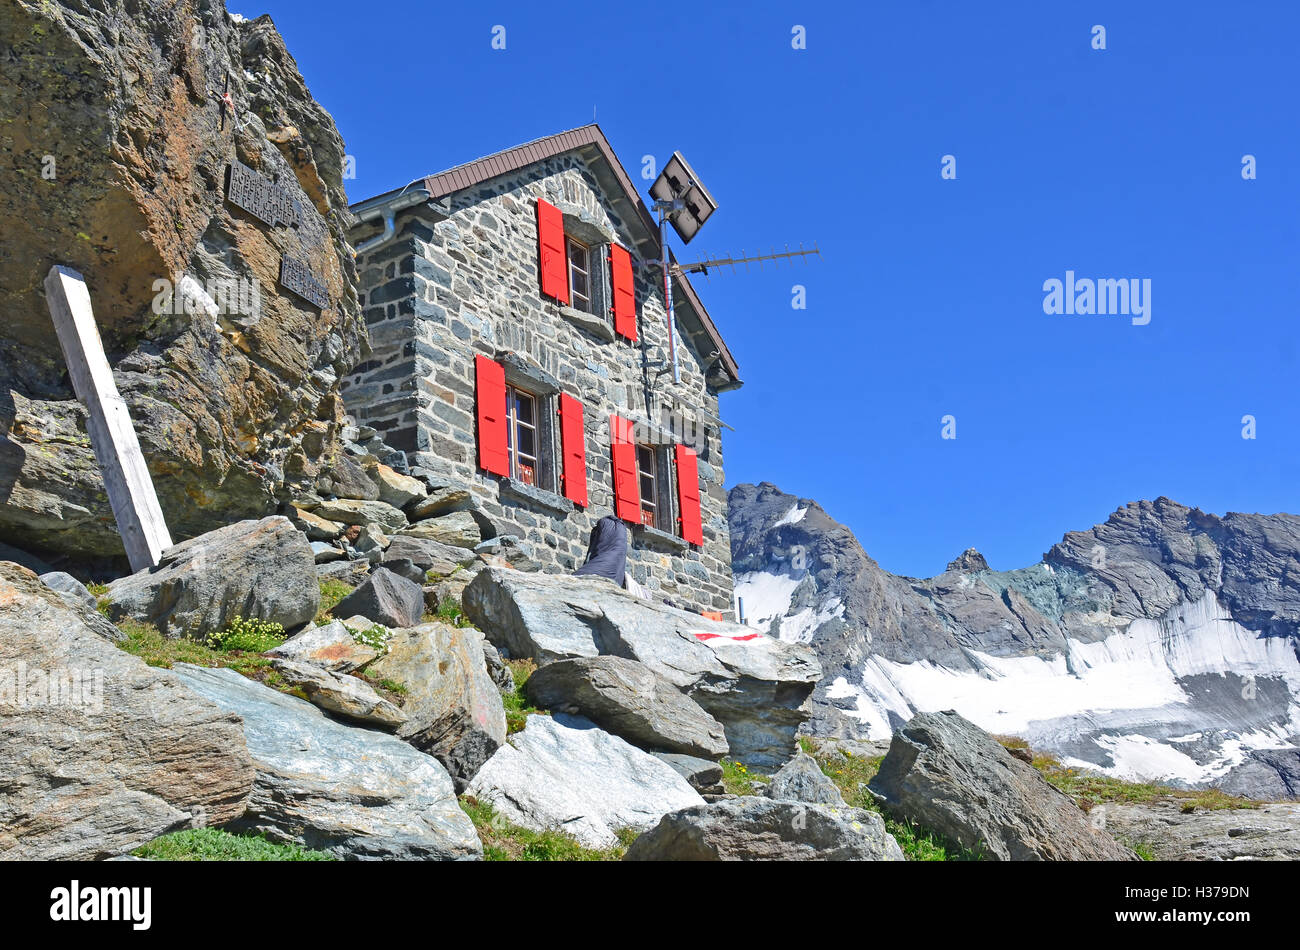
(587, 137)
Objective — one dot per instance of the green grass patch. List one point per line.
(212, 844)
(331, 592)
(248, 636)
(146, 642)
(505, 841)
(1089, 789)
(851, 773)
(518, 709)
(737, 779)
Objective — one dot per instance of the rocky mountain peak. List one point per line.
(1129, 647)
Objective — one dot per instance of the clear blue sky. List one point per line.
(1122, 163)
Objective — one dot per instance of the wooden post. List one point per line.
(130, 489)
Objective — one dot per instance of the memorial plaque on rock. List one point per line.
(261, 197)
(299, 278)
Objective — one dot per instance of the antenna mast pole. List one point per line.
(668, 291)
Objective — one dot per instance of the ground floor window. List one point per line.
(522, 438)
(647, 464)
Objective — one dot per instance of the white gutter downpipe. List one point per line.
(390, 228)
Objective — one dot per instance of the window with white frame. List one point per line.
(580, 276)
(647, 466)
(522, 436)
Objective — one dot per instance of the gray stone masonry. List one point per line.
(442, 291)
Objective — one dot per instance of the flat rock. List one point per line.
(349, 511)
(70, 587)
(341, 694)
(1264, 833)
(440, 500)
(456, 528)
(802, 780)
(563, 773)
(702, 774)
(394, 488)
(630, 700)
(385, 598)
(452, 705)
(330, 645)
(353, 792)
(758, 687)
(948, 775)
(515, 551)
(347, 479)
(100, 770)
(260, 570)
(429, 555)
(314, 526)
(759, 829)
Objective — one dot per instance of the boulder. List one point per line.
(453, 707)
(1263, 833)
(385, 598)
(429, 555)
(802, 780)
(457, 528)
(352, 512)
(70, 588)
(948, 775)
(563, 773)
(232, 394)
(330, 645)
(405, 567)
(758, 687)
(497, 668)
(340, 694)
(353, 792)
(516, 552)
(703, 775)
(631, 701)
(120, 754)
(260, 570)
(759, 829)
(441, 499)
(323, 552)
(350, 572)
(394, 488)
(347, 479)
(313, 525)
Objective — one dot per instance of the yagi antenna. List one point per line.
(713, 263)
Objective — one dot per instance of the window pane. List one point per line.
(578, 255)
(524, 407)
(527, 442)
(580, 285)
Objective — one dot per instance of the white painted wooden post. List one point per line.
(130, 489)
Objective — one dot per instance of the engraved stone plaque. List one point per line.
(298, 278)
(261, 197)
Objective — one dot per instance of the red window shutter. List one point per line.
(688, 494)
(574, 441)
(627, 491)
(551, 251)
(490, 386)
(620, 268)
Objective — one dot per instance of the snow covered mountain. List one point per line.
(1162, 644)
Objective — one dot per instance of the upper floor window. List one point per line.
(580, 288)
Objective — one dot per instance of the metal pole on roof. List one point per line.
(668, 294)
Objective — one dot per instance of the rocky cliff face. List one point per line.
(1160, 644)
(116, 145)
